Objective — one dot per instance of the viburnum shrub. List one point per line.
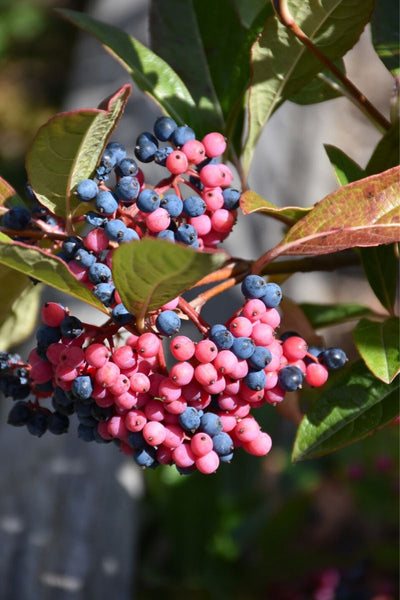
(94, 226)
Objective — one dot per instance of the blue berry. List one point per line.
(231, 198)
(37, 423)
(94, 219)
(127, 189)
(128, 236)
(255, 380)
(172, 204)
(164, 128)
(186, 234)
(314, 351)
(114, 152)
(194, 206)
(273, 295)
(82, 387)
(290, 378)
(99, 273)
(115, 230)
(136, 440)
(105, 203)
(146, 147)
(126, 166)
(226, 458)
(243, 347)
(71, 327)
(47, 335)
(87, 190)
(333, 358)
(168, 322)
(222, 443)
(148, 201)
(190, 419)
(210, 423)
(260, 358)
(181, 135)
(221, 337)
(167, 234)
(16, 218)
(121, 315)
(71, 245)
(85, 433)
(85, 258)
(19, 415)
(105, 293)
(253, 286)
(145, 457)
(58, 423)
(161, 155)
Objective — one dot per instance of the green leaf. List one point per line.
(249, 11)
(324, 315)
(18, 307)
(153, 272)
(336, 222)
(385, 33)
(320, 88)
(352, 408)
(46, 268)
(150, 72)
(282, 65)
(386, 153)
(378, 345)
(175, 24)
(67, 149)
(380, 266)
(346, 170)
(9, 195)
(251, 202)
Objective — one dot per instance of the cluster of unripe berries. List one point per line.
(194, 414)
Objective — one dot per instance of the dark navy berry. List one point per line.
(272, 296)
(168, 322)
(99, 273)
(136, 440)
(172, 204)
(105, 203)
(47, 335)
(255, 380)
(82, 387)
(333, 358)
(85, 433)
(290, 378)
(148, 201)
(164, 128)
(101, 413)
(71, 327)
(222, 443)
(127, 189)
(190, 419)
(146, 147)
(186, 234)
(181, 135)
(260, 358)
(85, 258)
(19, 414)
(194, 206)
(161, 155)
(231, 198)
(71, 245)
(253, 286)
(58, 423)
(288, 334)
(87, 190)
(243, 347)
(121, 315)
(126, 166)
(17, 217)
(37, 423)
(221, 337)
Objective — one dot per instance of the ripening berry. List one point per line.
(194, 151)
(262, 334)
(201, 444)
(205, 351)
(158, 220)
(177, 162)
(259, 446)
(182, 347)
(107, 374)
(206, 374)
(316, 374)
(148, 345)
(96, 355)
(213, 198)
(124, 357)
(225, 362)
(254, 309)
(135, 420)
(52, 314)
(216, 176)
(271, 317)
(154, 433)
(96, 240)
(208, 463)
(247, 430)
(181, 373)
(183, 455)
(241, 327)
(214, 144)
(140, 383)
(294, 348)
(222, 220)
(121, 385)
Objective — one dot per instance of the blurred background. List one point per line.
(81, 521)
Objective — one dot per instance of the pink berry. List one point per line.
(63, 373)
(96, 355)
(53, 353)
(240, 370)
(164, 455)
(254, 309)
(214, 144)
(52, 314)
(194, 151)
(116, 427)
(271, 379)
(154, 433)
(316, 374)
(182, 347)
(78, 270)
(148, 345)
(205, 351)
(206, 374)
(213, 198)
(217, 387)
(262, 334)
(177, 162)
(259, 446)
(294, 348)
(171, 305)
(126, 400)
(41, 372)
(183, 455)
(135, 420)
(168, 391)
(96, 240)
(176, 407)
(271, 317)
(228, 422)
(139, 382)
(174, 435)
(247, 430)
(222, 220)
(121, 385)
(201, 444)
(274, 395)
(181, 373)
(158, 220)
(208, 463)
(241, 327)
(202, 224)
(72, 357)
(154, 410)
(124, 357)
(225, 362)
(107, 374)
(215, 176)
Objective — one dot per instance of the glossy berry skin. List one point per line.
(121, 315)
(148, 201)
(177, 162)
(294, 348)
(146, 147)
(272, 296)
(221, 337)
(87, 190)
(181, 135)
(316, 374)
(164, 128)
(214, 144)
(333, 358)
(290, 378)
(127, 189)
(211, 423)
(260, 358)
(255, 380)
(126, 166)
(172, 204)
(71, 327)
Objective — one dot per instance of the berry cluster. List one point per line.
(194, 414)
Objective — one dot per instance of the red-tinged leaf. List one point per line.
(68, 148)
(251, 202)
(363, 213)
(8, 194)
